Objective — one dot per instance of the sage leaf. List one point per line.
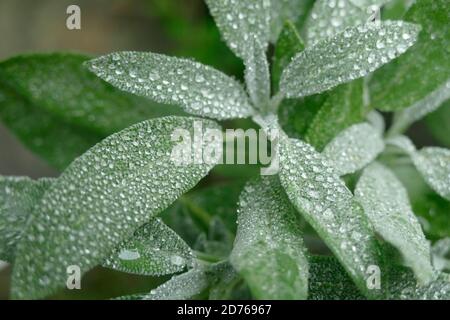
(181, 287)
(198, 89)
(347, 56)
(154, 249)
(59, 109)
(99, 200)
(228, 284)
(18, 196)
(328, 18)
(242, 21)
(268, 251)
(328, 206)
(288, 45)
(354, 148)
(426, 64)
(434, 165)
(282, 11)
(257, 77)
(387, 206)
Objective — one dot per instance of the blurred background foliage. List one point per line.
(175, 27)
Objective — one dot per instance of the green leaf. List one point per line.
(154, 249)
(329, 281)
(328, 206)
(181, 287)
(198, 89)
(328, 18)
(288, 45)
(99, 200)
(228, 285)
(18, 196)
(59, 109)
(433, 211)
(438, 123)
(242, 21)
(354, 148)
(282, 11)
(386, 204)
(404, 118)
(341, 108)
(269, 251)
(346, 56)
(434, 165)
(257, 77)
(424, 68)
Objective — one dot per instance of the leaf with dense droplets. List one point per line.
(354, 148)
(257, 76)
(434, 165)
(349, 55)
(241, 22)
(181, 287)
(387, 206)
(404, 118)
(198, 89)
(59, 109)
(438, 123)
(18, 196)
(100, 199)
(329, 281)
(268, 251)
(328, 18)
(154, 249)
(424, 68)
(288, 45)
(328, 206)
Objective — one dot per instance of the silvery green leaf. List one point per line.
(328, 18)
(387, 206)
(349, 55)
(18, 196)
(354, 148)
(404, 118)
(198, 89)
(241, 22)
(402, 142)
(99, 200)
(257, 76)
(329, 281)
(181, 287)
(282, 11)
(154, 249)
(328, 206)
(433, 164)
(424, 68)
(377, 121)
(268, 251)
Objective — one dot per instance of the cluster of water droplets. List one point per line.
(387, 206)
(154, 249)
(241, 22)
(100, 200)
(354, 148)
(349, 55)
(318, 193)
(197, 88)
(331, 17)
(268, 228)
